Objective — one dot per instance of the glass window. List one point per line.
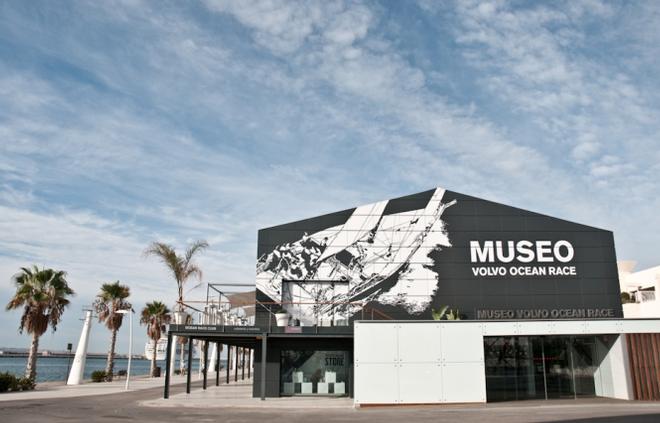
(514, 368)
(314, 372)
(537, 367)
(559, 378)
(585, 363)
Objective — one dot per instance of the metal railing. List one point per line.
(223, 307)
(218, 313)
(358, 311)
(644, 296)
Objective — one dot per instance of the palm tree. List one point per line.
(182, 267)
(109, 301)
(155, 315)
(43, 296)
(183, 341)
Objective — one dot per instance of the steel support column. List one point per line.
(168, 360)
(242, 363)
(206, 363)
(264, 344)
(228, 361)
(217, 364)
(236, 366)
(189, 369)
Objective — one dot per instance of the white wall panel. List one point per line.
(603, 373)
(500, 328)
(619, 364)
(420, 383)
(463, 382)
(419, 362)
(376, 343)
(419, 342)
(376, 383)
(462, 342)
(425, 362)
(640, 326)
(569, 327)
(536, 328)
(602, 326)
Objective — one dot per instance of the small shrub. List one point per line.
(25, 384)
(99, 376)
(8, 382)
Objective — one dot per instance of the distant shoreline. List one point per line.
(67, 355)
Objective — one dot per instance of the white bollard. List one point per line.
(78, 367)
(213, 358)
(180, 318)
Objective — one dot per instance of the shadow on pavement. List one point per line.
(629, 418)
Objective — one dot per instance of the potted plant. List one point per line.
(282, 317)
(445, 313)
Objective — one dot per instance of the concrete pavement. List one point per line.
(217, 404)
(239, 395)
(60, 390)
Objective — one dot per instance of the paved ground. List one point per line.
(239, 395)
(61, 390)
(144, 406)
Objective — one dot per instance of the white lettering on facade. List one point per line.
(477, 254)
(570, 252)
(523, 251)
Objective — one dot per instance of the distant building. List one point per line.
(642, 286)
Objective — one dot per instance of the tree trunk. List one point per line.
(31, 368)
(153, 359)
(110, 364)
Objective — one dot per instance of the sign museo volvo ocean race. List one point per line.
(411, 255)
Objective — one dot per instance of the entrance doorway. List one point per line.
(542, 367)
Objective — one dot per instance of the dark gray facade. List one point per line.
(412, 257)
(421, 245)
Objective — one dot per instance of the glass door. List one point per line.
(585, 364)
(559, 377)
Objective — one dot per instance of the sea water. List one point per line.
(51, 369)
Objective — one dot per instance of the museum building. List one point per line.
(439, 297)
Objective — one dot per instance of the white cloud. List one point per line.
(266, 112)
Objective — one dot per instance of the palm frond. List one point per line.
(195, 247)
(43, 295)
(155, 315)
(182, 268)
(110, 300)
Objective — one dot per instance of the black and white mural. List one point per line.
(329, 274)
(409, 255)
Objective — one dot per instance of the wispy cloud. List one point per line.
(123, 123)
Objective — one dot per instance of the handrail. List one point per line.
(227, 312)
(385, 316)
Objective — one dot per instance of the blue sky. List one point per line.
(127, 122)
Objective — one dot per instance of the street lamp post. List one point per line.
(130, 344)
(69, 347)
